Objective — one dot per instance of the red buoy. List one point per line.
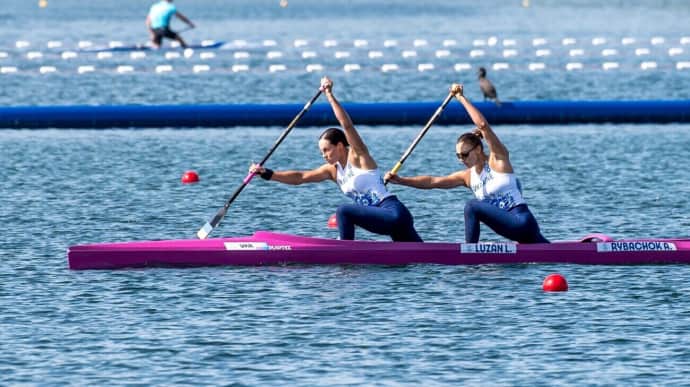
(190, 177)
(332, 222)
(555, 283)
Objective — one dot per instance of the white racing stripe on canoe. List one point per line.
(238, 246)
(488, 248)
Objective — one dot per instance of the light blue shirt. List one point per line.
(160, 14)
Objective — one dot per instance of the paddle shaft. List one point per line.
(208, 227)
(421, 134)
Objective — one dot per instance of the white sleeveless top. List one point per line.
(363, 186)
(500, 189)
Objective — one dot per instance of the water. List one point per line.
(310, 325)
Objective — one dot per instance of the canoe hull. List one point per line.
(267, 248)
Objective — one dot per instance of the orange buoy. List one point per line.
(555, 283)
(332, 221)
(190, 177)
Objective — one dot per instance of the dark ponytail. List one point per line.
(472, 138)
(334, 136)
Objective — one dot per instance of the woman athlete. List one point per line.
(499, 203)
(350, 165)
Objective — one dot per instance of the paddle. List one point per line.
(421, 134)
(332, 223)
(209, 226)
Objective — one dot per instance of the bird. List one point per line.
(487, 87)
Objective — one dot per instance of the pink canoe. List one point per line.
(268, 248)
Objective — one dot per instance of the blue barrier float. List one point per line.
(396, 113)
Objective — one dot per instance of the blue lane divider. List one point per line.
(397, 113)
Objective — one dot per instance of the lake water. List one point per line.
(335, 325)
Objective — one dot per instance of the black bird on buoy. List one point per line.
(487, 87)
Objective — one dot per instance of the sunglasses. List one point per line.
(463, 155)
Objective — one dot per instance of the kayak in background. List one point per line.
(269, 248)
(206, 45)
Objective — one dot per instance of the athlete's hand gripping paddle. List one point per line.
(209, 226)
(421, 134)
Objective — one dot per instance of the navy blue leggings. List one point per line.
(390, 217)
(517, 224)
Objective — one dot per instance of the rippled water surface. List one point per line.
(315, 325)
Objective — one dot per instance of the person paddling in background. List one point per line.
(158, 22)
(487, 88)
(499, 203)
(350, 165)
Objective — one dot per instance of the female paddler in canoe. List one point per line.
(499, 203)
(350, 165)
